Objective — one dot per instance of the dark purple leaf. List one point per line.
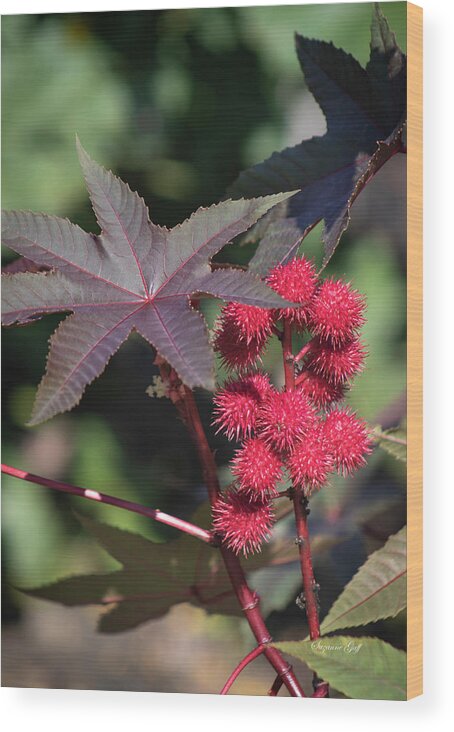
(133, 276)
(365, 115)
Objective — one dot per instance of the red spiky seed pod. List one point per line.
(249, 321)
(336, 311)
(321, 392)
(257, 468)
(237, 353)
(295, 281)
(284, 418)
(348, 438)
(236, 404)
(336, 364)
(243, 522)
(311, 461)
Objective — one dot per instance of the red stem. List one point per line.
(277, 683)
(289, 361)
(322, 691)
(248, 600)
(299, 506)
(305, 349)
(153, 513)
(242, 665)
(280, 494)
(249, 603)
(203, 448)
(391, 438)
(307, 571)
(300, 378)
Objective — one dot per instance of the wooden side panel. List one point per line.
(415, 349)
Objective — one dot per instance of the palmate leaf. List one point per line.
(361, 668)
(153, 577)
(378, 590)
(133, 276)
(365, 114)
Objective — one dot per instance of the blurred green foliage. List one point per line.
(177, 102)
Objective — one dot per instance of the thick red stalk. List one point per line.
(203, 448)
(153, 513)
(242, 665)
(299, 505)
(248, 600)
(307, 571)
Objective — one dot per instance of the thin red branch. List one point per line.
(242, 665)
(248, 600)
(305, 349)
(153, 513)
(391, 438)
(280, 494)
(287, 353)
(276, 687)
(300, 378)
(322, 691)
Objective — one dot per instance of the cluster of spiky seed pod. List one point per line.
(301, 430)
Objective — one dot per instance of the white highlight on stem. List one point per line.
(94, 495)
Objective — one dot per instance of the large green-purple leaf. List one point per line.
(365, 114)
(153, 577)
(133, 276)
(378, 590)
(361, 668)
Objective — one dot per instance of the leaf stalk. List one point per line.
(154, 513)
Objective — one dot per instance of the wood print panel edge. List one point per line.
(414, 351)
